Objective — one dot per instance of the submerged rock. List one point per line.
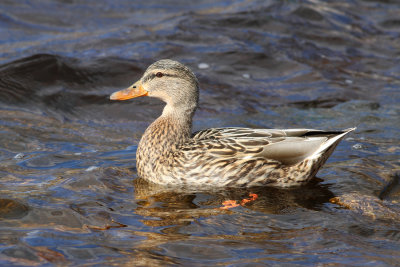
(369, 205)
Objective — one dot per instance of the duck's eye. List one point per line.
(159, 74)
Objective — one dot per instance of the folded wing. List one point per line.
(286, 146)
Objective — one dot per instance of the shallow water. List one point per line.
(69, 192)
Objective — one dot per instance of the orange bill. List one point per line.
(135, 90)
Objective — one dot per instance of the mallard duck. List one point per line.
(169, 154)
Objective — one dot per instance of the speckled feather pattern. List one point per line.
(221, 157)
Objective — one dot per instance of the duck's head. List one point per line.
(168, 80)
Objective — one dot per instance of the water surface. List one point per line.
(69, 192)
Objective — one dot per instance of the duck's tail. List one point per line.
(332, 142)
(320, 156)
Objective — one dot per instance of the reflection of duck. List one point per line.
(178, 206)
(169, 154)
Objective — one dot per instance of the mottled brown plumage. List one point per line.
(169, 154)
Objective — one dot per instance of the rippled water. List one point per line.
(69, 192)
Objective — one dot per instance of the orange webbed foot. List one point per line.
(228, 204)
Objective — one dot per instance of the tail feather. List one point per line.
(332, 142)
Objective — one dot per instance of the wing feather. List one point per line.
(286, 146)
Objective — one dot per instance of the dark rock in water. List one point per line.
(392, 187)
(12, 209)
(369, 205)
(374, 207)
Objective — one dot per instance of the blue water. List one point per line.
(69, 192)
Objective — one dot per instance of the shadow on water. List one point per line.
(60, 82)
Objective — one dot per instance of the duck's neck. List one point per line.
(172, 127)
(162, 137)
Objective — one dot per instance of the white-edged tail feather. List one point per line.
(332, 141)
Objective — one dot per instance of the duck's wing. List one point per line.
(286, 146)
(233, 132)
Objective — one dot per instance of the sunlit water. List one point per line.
(69, 192)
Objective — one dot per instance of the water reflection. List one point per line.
(175, 206)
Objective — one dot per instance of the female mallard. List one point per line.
(170, 154)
